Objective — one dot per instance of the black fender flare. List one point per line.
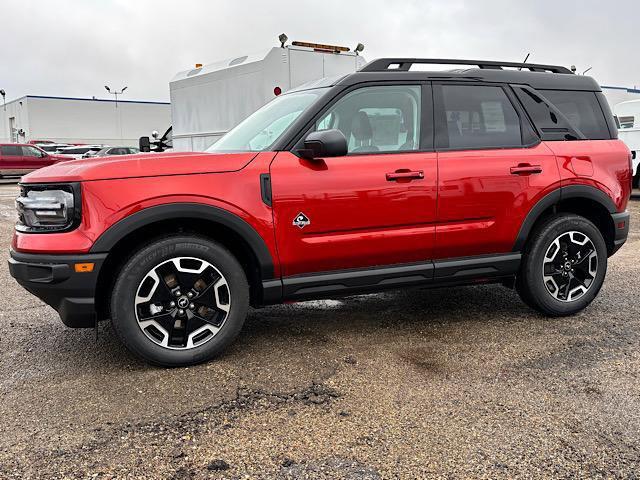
(555, 197)
(147, 216)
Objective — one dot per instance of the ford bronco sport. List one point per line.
(385, 178)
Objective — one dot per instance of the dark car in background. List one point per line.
(19, 159)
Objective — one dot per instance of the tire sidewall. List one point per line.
(538, 292)
(126, 286)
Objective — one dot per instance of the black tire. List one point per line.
(636, 179)
(136, 269)
(530, 282)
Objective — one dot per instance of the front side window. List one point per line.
(32, 152)
(377, 119)
(261, 129)
(478, 117)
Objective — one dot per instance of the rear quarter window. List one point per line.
(582, 110)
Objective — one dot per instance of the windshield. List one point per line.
(260, 130)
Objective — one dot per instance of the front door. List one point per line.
(34, 158)
(376, 205)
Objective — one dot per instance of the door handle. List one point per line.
(405, 174)
(526, 169)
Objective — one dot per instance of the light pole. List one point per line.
(115, 92)
(118, 119)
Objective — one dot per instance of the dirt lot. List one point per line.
(423, 384)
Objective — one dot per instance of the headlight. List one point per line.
(48, 208)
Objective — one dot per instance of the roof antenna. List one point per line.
(525, 59)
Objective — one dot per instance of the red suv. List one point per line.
(18, 158)
(385, 178)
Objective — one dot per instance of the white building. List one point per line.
(616, 95)
(81, 120)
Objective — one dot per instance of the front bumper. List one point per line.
(621, 229)
(53, 279)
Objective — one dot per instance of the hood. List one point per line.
(140, 165)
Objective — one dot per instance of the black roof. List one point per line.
(543, 77)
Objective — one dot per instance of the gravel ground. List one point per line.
(420, 384)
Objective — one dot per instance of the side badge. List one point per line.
(301, 220)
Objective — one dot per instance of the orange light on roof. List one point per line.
(321, 46)
(84, 267)
(198, 65)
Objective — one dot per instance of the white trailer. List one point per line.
(628, 114)
(209, 100)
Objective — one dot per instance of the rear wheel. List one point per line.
(564, 266)
(180, 301)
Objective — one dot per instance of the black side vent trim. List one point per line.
(265, 188)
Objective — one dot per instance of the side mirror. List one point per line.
(325, 143)
(145, 144)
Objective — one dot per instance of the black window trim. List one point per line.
(427, 131)
(608, 115)
(528, 134)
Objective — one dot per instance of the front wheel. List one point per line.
(564, 266)
(179, 301)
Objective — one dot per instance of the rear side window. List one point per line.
(10, 150)
(478, 117)
(582, 110)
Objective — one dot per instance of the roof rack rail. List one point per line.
(404, 64)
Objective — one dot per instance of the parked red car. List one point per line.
(18, 159)
(385, 178)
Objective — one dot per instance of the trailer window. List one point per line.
(626, 122)
(261, 129)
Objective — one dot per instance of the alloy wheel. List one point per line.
(570, 266)
(182, 303)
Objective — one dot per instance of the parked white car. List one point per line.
(78, 151)
(52, 147)
(112, 151)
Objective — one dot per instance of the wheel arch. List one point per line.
(126, 236)
(584, 200)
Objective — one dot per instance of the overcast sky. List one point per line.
(74, 47)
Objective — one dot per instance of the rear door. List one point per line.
(492, 169)
(374, 206)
